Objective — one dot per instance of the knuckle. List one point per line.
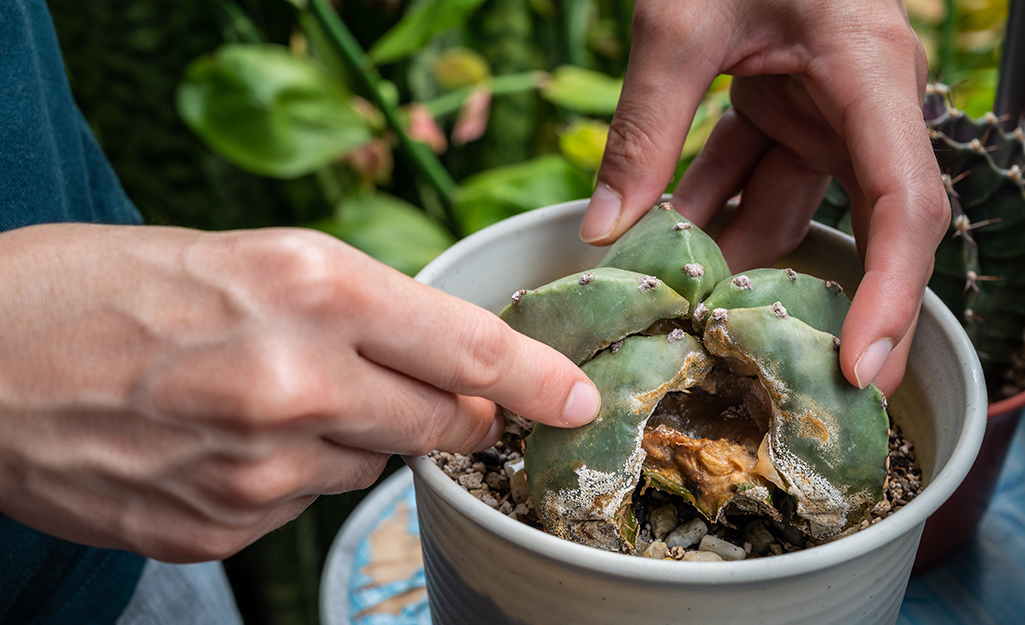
(301, 269)
(932, 212)
(480, 427)
(259, 485)
(485, 349)
(631, 143)
(292, 267)
(790, 238)
(368, 472)
(651, 28)
(427, 427)
(276, 385)
(899, 36)
(646, 21)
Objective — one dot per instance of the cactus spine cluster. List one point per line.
(980, 265)
(724, 390)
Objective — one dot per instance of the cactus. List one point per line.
(612, 304)
(666, 244)
(724, 390)
(980, 265)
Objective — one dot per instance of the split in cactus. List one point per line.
(723, 390)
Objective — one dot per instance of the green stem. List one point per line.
(1010, 97)
(948, 35)
(575, 17)
(364, 71)
(238, 25)
(497, 85)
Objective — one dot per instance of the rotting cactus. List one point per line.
(723, 390)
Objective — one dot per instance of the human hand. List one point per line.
(821, 89)
(179, 393)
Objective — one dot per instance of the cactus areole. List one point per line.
(724, 390)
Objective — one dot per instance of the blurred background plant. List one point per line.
(398, 126)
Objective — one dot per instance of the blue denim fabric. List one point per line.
(51, 168)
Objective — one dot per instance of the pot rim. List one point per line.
(910, 518)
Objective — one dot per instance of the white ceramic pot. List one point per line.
(484, 568)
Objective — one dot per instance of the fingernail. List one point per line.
(495, 433)
(871, 362)
(582, 405)
(602, 214)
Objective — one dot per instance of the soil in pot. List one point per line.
(669, 527)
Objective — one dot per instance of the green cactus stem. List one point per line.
(827, 440)
(665, 244)
(581, 480)
(800, 294)
(588, 311)
(980, 264)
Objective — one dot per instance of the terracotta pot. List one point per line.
(483, 567)
(956, 521)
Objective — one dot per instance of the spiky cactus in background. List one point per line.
(723, 390)
(980, 266)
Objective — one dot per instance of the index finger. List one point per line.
(899, 206)
(461, 348)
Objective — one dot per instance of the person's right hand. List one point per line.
(179, 394)
(820, 89)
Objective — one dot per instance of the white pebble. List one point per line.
(687, 534)
(701, 556)
(725, 550)
(656, 550)
(664, 519)
(513, 467)
(518, 488)
(471, 481)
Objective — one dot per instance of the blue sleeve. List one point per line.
(51, 168)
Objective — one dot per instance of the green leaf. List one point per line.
(493, 195)
(268, 111)
(583, 143)
(416, 28)
(389, 229)
(583, 90)
(461, 67)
